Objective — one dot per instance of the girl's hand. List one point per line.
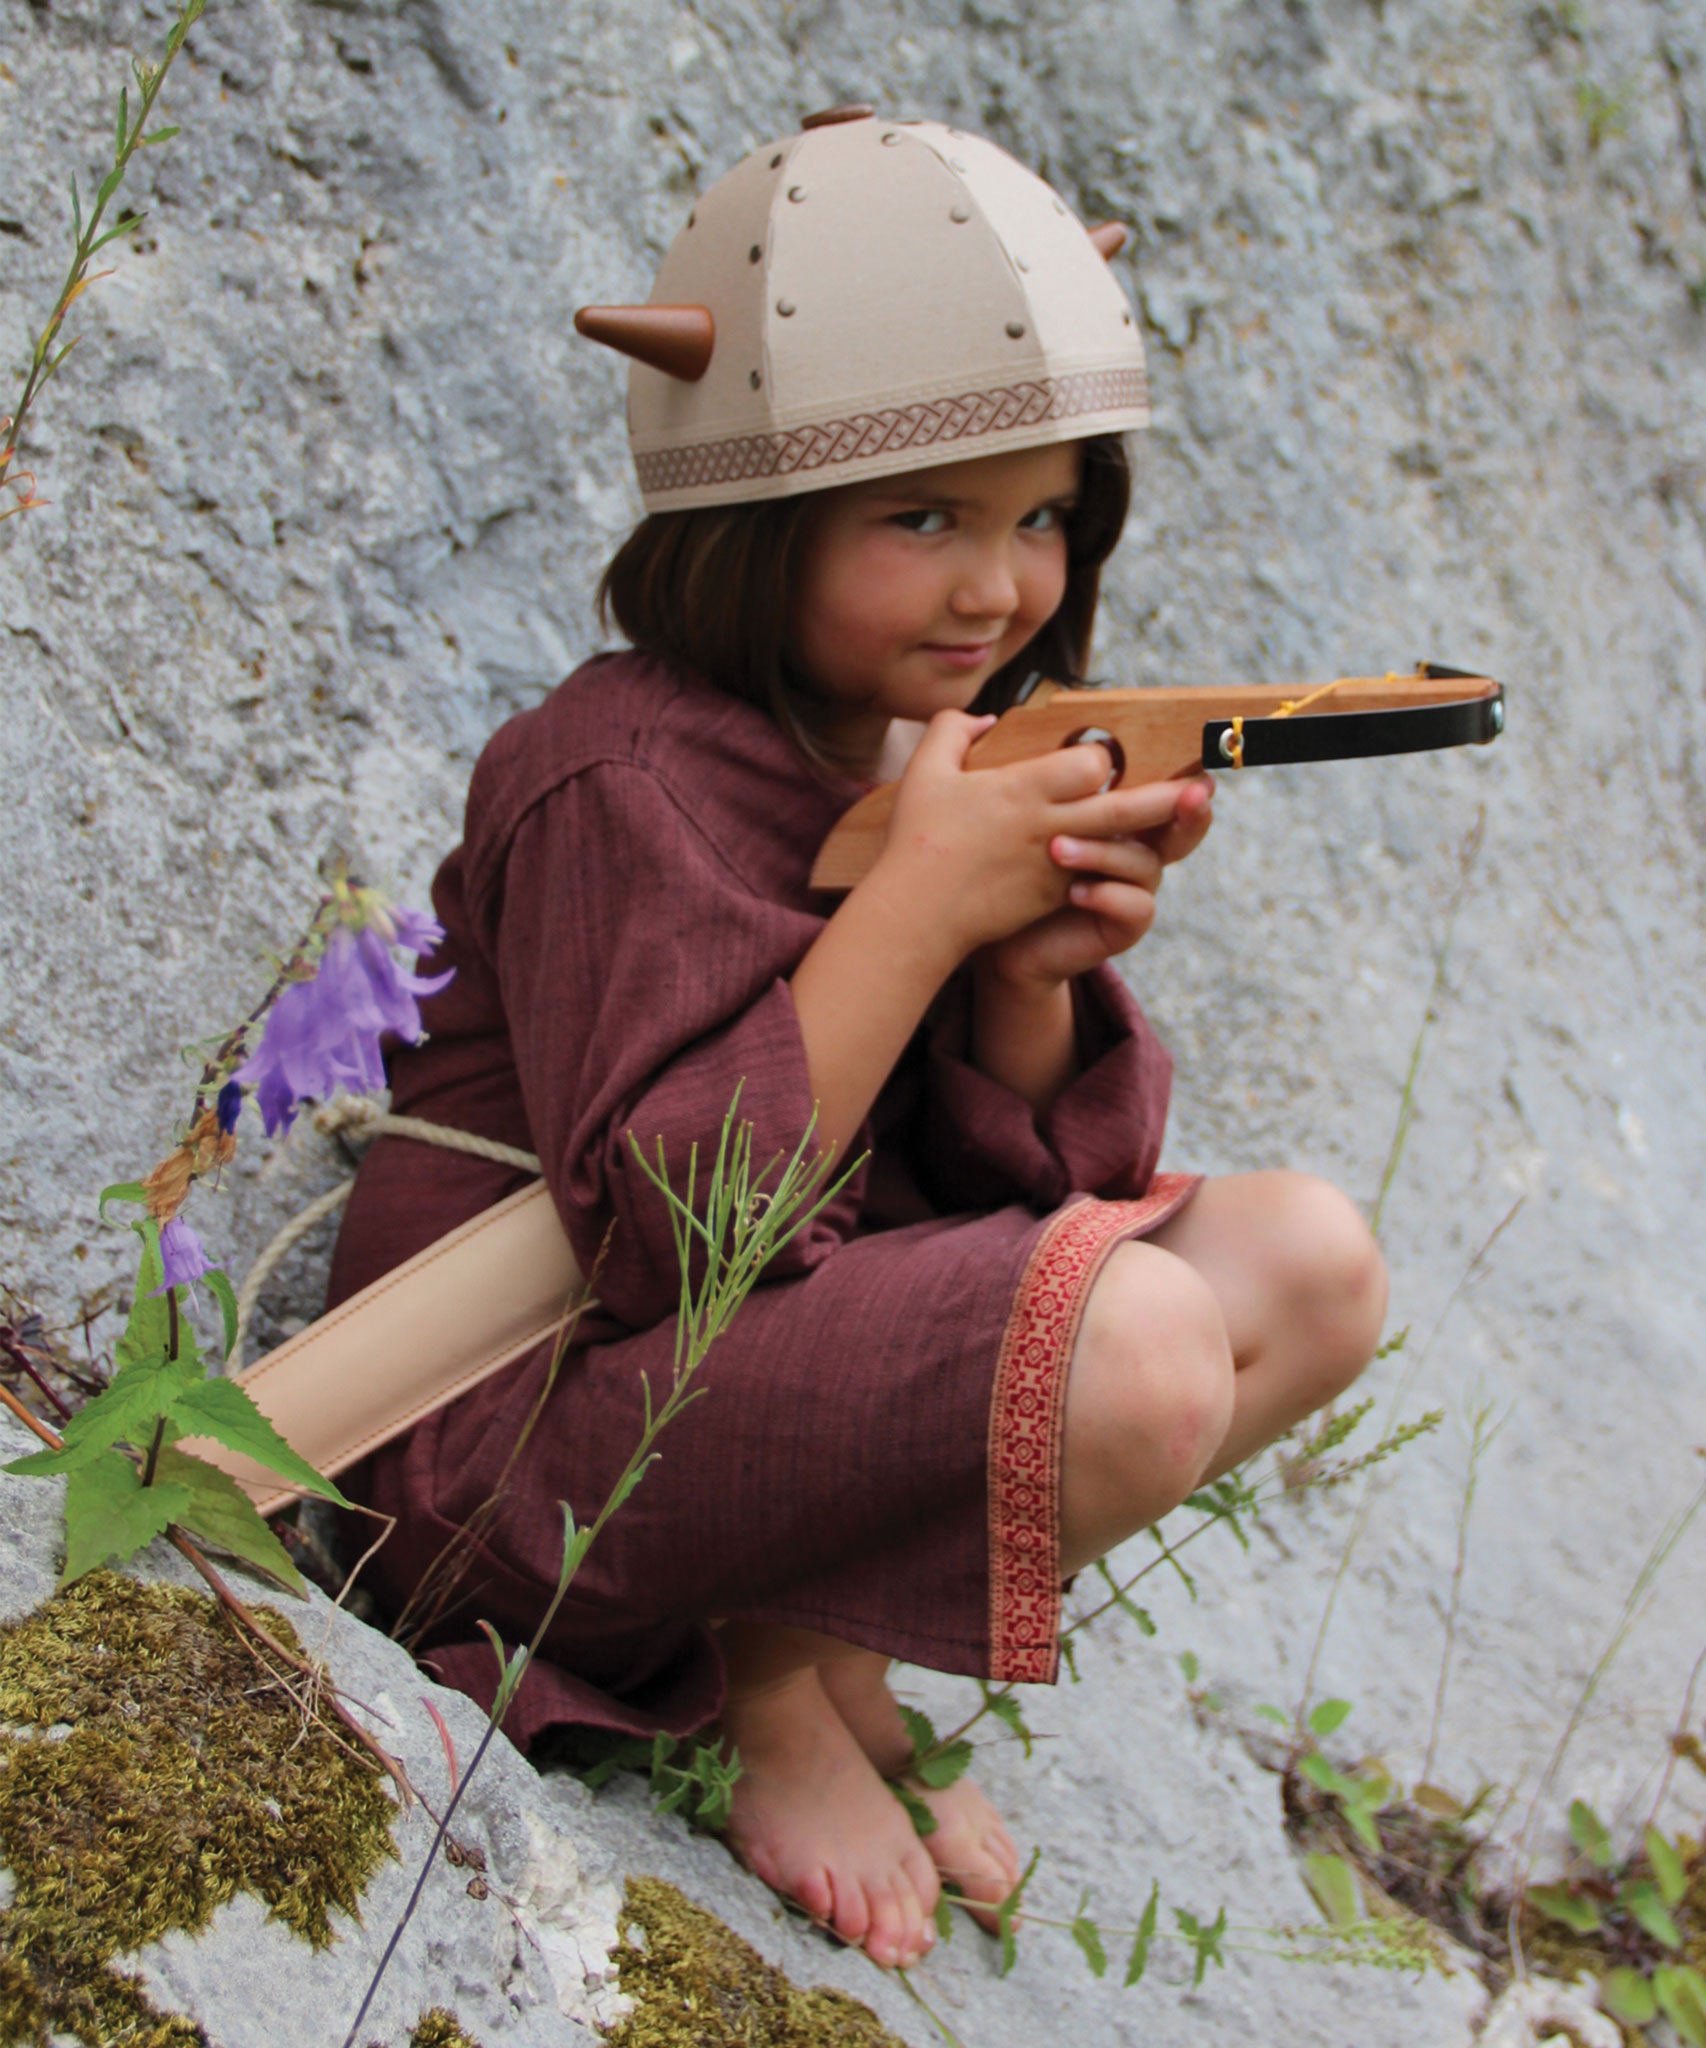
(970, 853)
(1111, 896)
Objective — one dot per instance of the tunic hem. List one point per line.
(1027, 1416)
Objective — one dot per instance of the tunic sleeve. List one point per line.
(1101, 1135)
(644, 981)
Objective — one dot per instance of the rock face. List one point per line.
(1425, 298)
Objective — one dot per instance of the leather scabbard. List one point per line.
(471, 1303)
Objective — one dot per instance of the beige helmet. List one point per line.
(864, 298)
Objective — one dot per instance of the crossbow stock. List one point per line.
(1156, 735)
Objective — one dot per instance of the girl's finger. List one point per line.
(1122, 860)
(1121, 813)
(948, 738)
(1122, 904)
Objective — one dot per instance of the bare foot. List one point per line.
(812, 1818)
(970, 1846)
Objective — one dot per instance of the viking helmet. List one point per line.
(864, 298)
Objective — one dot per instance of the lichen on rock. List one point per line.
(696, 1984)
(149, 1772)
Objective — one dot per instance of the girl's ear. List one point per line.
(675, 339)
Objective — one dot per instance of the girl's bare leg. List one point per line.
(811, 1815)
(970, 1847)
(1256, 1304)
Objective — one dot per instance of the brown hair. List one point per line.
(709, 589)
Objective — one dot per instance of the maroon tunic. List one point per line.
(876, 1453)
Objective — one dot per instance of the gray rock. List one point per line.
(332, 482)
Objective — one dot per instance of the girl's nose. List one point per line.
(987, 587)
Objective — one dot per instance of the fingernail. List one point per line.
(1068, 849)
(1079, 891)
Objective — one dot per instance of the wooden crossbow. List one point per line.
(1156, 735)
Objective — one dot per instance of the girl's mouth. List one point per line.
(961, 655)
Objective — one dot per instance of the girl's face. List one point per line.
(914, 590)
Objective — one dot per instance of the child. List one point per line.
(876, 410)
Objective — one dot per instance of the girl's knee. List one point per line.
(1150, 1399)
(1334, 1273)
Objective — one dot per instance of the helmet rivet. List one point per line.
(1058, 207)
(1126, 317)
(959, 215)
(754, 379)
(954, 164)
(1016, 330)
(891, 137)
(776, 161)
(786, 308)
(691, 218)
(1019, 263)
(796, 193)
(755, 254)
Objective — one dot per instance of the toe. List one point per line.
(817, 1895)
(850, 1914)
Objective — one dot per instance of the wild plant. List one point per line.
(748, 1216)
(89, 237)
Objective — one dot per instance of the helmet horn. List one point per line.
(675, 339)
(1110, 238)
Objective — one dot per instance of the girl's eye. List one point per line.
(926, 519)
(1045, 519)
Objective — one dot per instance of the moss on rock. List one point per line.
(696, 1984)
(149, 1773)
(440, 2029)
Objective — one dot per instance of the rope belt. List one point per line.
(354, 1116)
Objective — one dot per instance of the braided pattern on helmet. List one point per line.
(865, 436)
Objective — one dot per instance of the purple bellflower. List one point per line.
(324, 1034)
(181, 1255)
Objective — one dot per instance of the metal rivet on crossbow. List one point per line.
(796, 193)
(786, 308)
(959, 215)
(1015, 330)
(755, 254)
(754, 379)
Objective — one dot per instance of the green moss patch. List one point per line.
(151, 1771)
(696, 1984)
(440, 2029)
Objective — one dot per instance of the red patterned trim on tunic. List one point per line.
(1025, 1420)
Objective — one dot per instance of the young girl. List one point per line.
(877, 411)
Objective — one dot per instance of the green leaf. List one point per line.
(1363, 1824)
(1204, 1940)
(944, 1913)
(223, 1515)
(1277, 1715)
(1329, 1717)
(945, 1768)
(1139, 1961)
(148, 1331)
(220, 1288)
(121, 1190)
(125, 1412)
(922, 1819)
(1681, 1993)
(1667, 1865)
(159, 135)
(1322, 1775)
(1189, 1666)
(1641, 1901)
(1069, 1655)
(920, 1731)
(109, 185)
(1006, 1709)
(76, 213)
(1627, 1995)
(110, 1514)
(220, 1409)
(1559, 1903)
(1334, 1884)
(123, 117)
(1588, 1833)
(1006, 1913)
(1089, 1938)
